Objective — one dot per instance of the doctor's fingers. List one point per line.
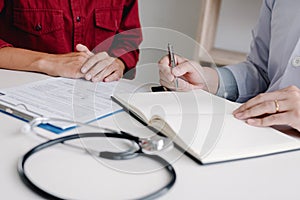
(274, 119)
(266, 107)
(165, 72)
(166, 61)
(291, 92)
(166, 79)
(263, 97)
(182, 85)
(93, 60)
(170, 85)
(186, 67)
(98, 67)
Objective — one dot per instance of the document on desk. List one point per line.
(71, 99)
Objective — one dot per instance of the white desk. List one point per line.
(272, 177)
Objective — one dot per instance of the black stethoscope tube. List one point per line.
(108, 155)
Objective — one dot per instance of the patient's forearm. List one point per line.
(64, 65)
(21, 59)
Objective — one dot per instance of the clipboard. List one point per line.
(56, 98)
(9, 110)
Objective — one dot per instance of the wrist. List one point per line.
(43, 64)
(121, 64)
(212, 79)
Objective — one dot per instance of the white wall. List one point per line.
(237, 18)
(178, 15)
(236, 21)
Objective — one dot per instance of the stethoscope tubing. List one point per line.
(107, 155)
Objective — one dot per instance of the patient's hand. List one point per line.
(101, 66)
(63, 65)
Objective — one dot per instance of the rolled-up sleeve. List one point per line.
(2, 42)
(251, 76)
(126, 43)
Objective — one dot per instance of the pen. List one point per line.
(172, 62)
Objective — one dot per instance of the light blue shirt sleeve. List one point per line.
(227, 84)
(275, 48)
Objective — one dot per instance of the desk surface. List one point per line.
(271, 177)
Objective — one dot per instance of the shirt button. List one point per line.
(38, 27)
(78, 19)
(296, 62)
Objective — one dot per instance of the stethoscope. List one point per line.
(146, 147)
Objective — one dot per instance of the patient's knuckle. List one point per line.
(82, 54)
(81, 59)
(103, 54)
(72, 73)
(77, 63)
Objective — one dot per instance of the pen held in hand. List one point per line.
(172, 62)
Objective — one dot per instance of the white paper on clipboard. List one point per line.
(72, 99)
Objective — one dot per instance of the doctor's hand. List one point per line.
(281, 107)
(100, 66)
(191, 75)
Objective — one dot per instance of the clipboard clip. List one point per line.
(12, 110)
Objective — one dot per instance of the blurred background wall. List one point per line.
(176, 21)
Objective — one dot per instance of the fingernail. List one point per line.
(83, 70)
(88, 77)
(239, 115)
(251, 121)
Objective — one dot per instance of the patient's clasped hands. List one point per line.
(84, 64)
